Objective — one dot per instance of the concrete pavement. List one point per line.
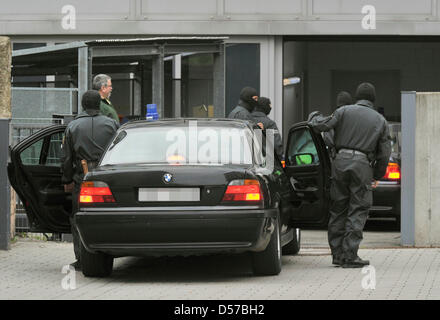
(33, 270)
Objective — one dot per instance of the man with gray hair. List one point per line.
(103, 84)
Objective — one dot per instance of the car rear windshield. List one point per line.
(183, 145)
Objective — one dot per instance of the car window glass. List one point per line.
(169, 144)
(301, 147)
(54, 152)
(31, 155)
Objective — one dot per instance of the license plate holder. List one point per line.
(168, 194)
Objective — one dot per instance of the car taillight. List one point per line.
(243, 190)
(393, 171)
(95, 192)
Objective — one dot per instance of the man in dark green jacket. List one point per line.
(103, 84)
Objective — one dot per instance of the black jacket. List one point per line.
(242, 111)
(85, 138)
(268, 123)
(359, 127)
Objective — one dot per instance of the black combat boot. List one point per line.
(338, 260)
(355, 263)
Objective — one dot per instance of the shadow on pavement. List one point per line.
(210, 268)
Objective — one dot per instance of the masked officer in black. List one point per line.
(247, 103)
(343, 99)
(363, 146)
(260, 114)
(85, 138)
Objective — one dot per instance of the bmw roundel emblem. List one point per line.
(167, 177)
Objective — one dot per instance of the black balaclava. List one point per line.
(366, 91)
(343, 99)
(91, 101)
(246, 95)
(264, 105)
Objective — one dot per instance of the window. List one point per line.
(242, 70)
(54, 152)
(207, 145)
(41, 153)
(31, 155)
(301, 147)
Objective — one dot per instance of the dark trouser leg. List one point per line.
(360, 202)
(75, 235)
(340, 194)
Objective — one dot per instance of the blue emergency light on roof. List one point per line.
(152, 114)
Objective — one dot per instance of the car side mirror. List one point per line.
(303, 159)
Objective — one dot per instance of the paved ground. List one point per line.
(33, 270)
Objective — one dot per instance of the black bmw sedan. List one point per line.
(180, 187)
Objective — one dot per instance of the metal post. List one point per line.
(219, 83)
(5, 197)
(84, 73)
(177, 86)
(159, 83)
(137, 94)
(408, 169)
(5, 115)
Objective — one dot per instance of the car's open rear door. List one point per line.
(308, 168)
(35, 173)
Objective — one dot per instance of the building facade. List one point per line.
(324, 45)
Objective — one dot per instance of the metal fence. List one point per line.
(42, 103)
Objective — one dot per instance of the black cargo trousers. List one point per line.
(351, 195)
(75, 207)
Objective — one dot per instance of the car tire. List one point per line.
(95, 264)
(268, 262)
(293, 246)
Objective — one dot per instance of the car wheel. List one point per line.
(95, 264)
(293, 246)
(268, 262)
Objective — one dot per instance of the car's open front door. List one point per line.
(308, 168)
(35, 173)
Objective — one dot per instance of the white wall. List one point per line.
(427, 172)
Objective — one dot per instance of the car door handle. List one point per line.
(297, 186)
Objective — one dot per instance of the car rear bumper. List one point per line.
(175, 231)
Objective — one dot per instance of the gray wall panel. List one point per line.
(178, 9)
(388, 7)
(389, 10)
(263, 8)
(49, 9)
(220, 17)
